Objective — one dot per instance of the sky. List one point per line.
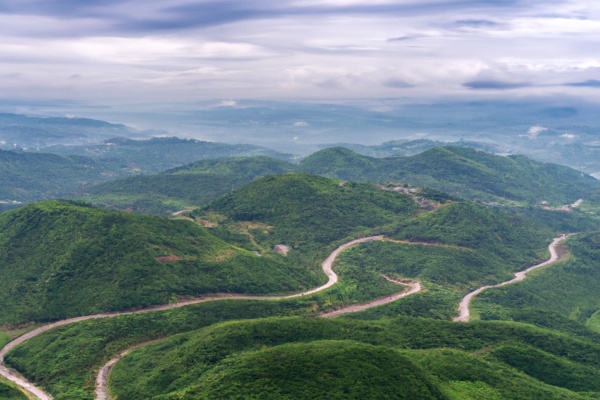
(102, 52)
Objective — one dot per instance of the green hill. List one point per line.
(60, 259)
(352, 359)
(26, 177)
(316, 370)
(66, 172)
(306, 210)
(184, 187)
(460, 171)
(9, 392)
(566, 292)
(161, 153)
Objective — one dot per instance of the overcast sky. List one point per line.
(103, 51)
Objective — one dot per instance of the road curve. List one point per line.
(412, 287)
(40, 394)
(463, 307)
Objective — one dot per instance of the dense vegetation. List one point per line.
(61, 259)
(502, 235)
(463, 172)
(9, 391)
(460, 171)
(316, 370)
(181, 366)
(466, 246)
(304, 210)
(66, 359)
(69, 171)
(185, 187)
(26, 177)
(159, 154)
(56, 359)
(569, 289)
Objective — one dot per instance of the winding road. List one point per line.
(463, 307)
(327, 265)
(13, 376)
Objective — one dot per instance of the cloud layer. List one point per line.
(180, 50)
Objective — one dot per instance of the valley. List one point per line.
(217, 294)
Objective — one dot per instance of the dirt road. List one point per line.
(40, 394)
(463, 307)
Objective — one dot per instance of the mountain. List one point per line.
(39, 132)
(464, 172)
(538, 338)
(184, 187)
(62, 259)
(159, 154)
(400, 358)
(26, 177)
(306, 210)
(70, 170)
(410, 147)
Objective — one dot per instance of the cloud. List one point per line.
(592, 83)
(534, 131)
(396, 83)
(403, 38)
(494, 85)
(197, 50)
(476, 23)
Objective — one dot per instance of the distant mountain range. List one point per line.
(462, 172)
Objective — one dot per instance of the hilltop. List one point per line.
(464, 172)
(314, 358)
(62, 259)
(26, 177)
(184, 187)
(307, 210)
(461, 172)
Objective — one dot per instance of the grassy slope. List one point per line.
(4, 338)
(460, 171)
(8, 391)
(509, 237)
(60, 259)
(316, 370)
(160, 154)
(310, 211)
(29, 177)
(184, 362)
(479, 246)
(569, 289)
(593, 323)
(190, 186)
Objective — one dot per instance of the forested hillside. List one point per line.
(465, 172)
(26, 177)
(61, 259)
(311, 358)
(184, 187)
(306, 210)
